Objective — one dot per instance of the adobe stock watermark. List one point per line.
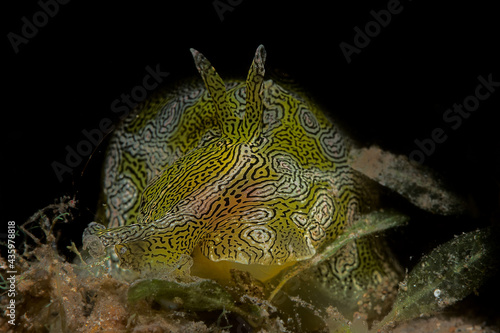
(11, 271)
(121, 106)
(372, 29)
(223, 6)
(39, 19)
(454, 117)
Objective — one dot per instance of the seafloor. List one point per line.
(54, 295)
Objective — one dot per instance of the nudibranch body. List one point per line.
(242, 174)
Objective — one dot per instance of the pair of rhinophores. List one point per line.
(243, 174)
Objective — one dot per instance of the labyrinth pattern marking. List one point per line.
(248, 171)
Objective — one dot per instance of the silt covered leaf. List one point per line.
(448, 274)
(204, 295)
(201, 295)
(374, 222)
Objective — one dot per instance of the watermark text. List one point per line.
(121, 106)
(454, 117)
(11, 272)
(30, 27)
(372, 29)
(223, 6)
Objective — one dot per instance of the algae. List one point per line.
(55, 295)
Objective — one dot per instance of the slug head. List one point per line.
(235, 197)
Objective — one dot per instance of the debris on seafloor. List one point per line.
(418, 185)
(54, 295)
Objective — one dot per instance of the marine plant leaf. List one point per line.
(449, 273)
(202, 295)
(373, 222)
(205, 295)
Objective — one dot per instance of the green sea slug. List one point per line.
(247, 175)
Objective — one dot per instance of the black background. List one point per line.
(393, 92)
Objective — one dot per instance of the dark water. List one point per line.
(396, 90)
